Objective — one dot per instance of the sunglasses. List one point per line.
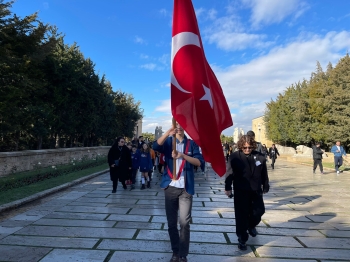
(247, 147)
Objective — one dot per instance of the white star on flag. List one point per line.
(207, 96)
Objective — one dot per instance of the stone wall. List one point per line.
(12, 162)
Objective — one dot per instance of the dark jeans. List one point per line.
(273, 160)
(249, 208)
(133, 176)
(318, 162)
(177, 200)
(338, 162)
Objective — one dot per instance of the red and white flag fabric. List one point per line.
(197, 101)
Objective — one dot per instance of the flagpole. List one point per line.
(174, 149)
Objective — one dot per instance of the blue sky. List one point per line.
(257, 48)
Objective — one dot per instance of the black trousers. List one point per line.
(249, 208)
(318, 162)
(115, 183)
(273, 160)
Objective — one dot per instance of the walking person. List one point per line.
(119, 160)
(248, 172)
(135, 159)
(273, 152)
(317, 153)
(265, 152)
(140, 143)
(258, 144)
(338, 152)
(145, 165)
(178, 187)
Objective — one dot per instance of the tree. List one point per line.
(148, 136)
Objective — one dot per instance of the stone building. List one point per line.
(258, 126)
(138, 128)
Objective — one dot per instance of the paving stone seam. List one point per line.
(97, 243)
(300, 242)
(20, 202)
(254, 250)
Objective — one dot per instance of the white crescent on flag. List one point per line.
(178, 41)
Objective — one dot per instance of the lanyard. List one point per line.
(181, 166)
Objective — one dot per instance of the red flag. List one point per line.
(197, 100)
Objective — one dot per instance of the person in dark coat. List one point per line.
(273, 152)
(248, 173)
(317, 153)
(120, 153)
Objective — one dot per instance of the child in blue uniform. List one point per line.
(145, 165)
(135, 158)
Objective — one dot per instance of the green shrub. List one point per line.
(21, 179)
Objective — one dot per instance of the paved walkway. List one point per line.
(307, 218)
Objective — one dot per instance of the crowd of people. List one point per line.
(126, 160)
(270, 153)
(246, 178)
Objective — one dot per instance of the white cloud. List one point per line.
(253, 84)
(164, 107)
(164, 59)
(165, 84)
(46, 5)
(149, 124)
(229, 34)
(265, 12)
(143, 56)
(267, 75)
(139, 40)
(212, 14)
(149, 66)
(163, 12)
(199, 12)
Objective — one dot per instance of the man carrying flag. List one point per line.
(178, 186)
(199, 107)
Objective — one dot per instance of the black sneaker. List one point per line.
(143, 187)
(125, 187)
(149, 184)
(242, 246)
(114, 191)
(174, 258)
(252, 231)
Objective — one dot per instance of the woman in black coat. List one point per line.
(273, 152)
(120, 153)
(247, 172)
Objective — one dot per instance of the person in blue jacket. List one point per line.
(338, 152)
(179, 187)
(135, 158)
(145, 165)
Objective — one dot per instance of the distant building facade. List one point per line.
(237, 134)
(259, 128)
(138, 128)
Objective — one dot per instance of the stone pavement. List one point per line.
(307, 218)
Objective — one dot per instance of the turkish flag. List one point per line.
(197, 101)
